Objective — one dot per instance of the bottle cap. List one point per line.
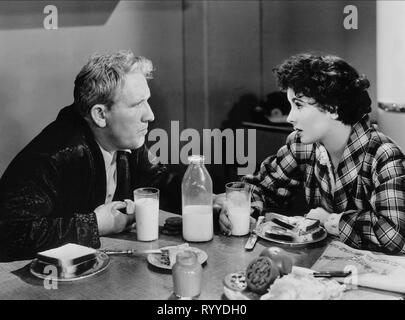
(196, 158)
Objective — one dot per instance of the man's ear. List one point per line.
(98, 115)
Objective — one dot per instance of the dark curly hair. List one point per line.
(330, 80)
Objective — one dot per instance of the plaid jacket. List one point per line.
(368, 187)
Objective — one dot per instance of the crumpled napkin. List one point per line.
(300, 284)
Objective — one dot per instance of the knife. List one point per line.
(250, 244)
(130, 252)
(331, 274)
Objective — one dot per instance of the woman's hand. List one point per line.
(225, 224)
(318, 214)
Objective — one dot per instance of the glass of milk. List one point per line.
(146, 202)
(238, 203)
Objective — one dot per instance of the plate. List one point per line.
(102, 262)
(155, 258)
(299, 239)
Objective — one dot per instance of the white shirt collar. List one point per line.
(110, 157)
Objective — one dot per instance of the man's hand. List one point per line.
(110, 220)
(318, 214)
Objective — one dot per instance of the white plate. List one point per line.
(154, 258)
(102, 262)
(299, 240)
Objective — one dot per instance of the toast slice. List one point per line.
(307, 225)
(302, 225)
(67, 255)
(280, 235)
(283, 223)
(309, 237)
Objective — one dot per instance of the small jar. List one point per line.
(187, 275)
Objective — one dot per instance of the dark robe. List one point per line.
(50, 190)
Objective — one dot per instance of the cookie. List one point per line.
(169, 227)
(260, 274)
(173, 221)
(171, 232)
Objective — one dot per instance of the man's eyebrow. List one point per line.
(140, 101)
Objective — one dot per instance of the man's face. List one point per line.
(312, 124)
(127, 119)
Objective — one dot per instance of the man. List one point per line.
(69, 183)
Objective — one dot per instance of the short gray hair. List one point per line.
(99, 78)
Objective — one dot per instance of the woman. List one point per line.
(352, 174)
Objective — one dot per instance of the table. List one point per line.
(135, 278)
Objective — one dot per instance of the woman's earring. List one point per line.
(333, 112)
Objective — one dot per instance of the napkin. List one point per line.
(372, 270)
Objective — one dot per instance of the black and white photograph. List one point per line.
(202, 155)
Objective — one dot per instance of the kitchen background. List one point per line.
(213, 59)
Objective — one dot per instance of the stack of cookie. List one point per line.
(172, 226)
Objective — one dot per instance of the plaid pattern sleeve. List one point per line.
(382, 225)
(278, 177)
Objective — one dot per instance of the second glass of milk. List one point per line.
(238, 203)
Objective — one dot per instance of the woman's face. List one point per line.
(312, 124)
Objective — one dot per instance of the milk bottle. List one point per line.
(196, 191)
